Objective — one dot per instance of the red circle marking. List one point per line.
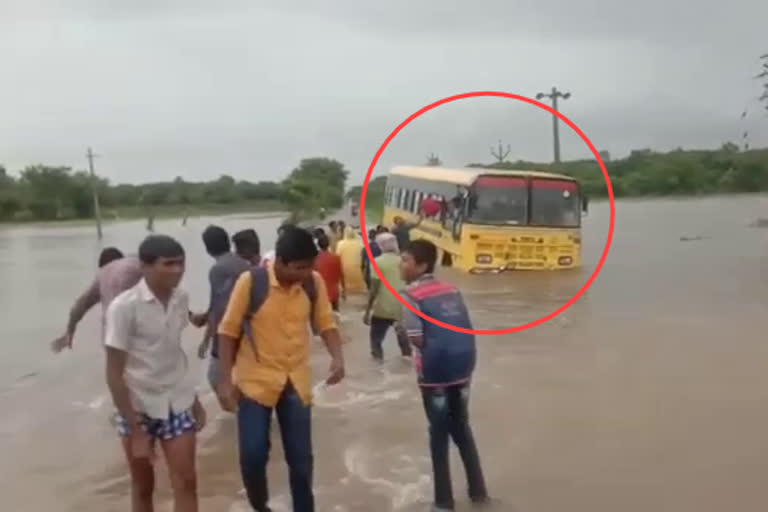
(497, 94)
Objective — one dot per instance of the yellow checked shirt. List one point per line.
(281, 330)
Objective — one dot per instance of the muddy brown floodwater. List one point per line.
(649, 394)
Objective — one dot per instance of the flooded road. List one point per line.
(648, 394)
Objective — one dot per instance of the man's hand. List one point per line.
(61, 343)
(141, 444)
(202, 349)
(198, 412)
(367, 317)
(336, 371)
(198, 319)
(228, 395)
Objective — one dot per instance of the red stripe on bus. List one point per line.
(499, 181)
(555, 184)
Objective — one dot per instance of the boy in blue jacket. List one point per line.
(444, 362)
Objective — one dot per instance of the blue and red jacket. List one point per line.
(447, 357)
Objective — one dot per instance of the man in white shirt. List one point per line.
(148, 377)
(269, 256)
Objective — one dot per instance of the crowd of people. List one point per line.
(262, 313)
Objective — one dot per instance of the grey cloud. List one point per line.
(199, 88)
(651, 21)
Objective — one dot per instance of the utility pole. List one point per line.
(433, 160)
(554, 95)
(94, 188)
(500, 154)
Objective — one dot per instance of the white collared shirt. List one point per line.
(267, 258)
(156, 370)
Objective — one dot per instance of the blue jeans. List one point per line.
(254, 421)
(447, 412)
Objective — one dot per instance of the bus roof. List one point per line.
(467, 176)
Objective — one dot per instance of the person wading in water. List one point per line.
(445, 361)
(265, 337)
(148, 376)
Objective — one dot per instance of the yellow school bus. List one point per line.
(491, 220)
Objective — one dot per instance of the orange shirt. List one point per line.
(281, 332)
(328, 265)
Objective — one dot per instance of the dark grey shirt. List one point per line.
(222, 277)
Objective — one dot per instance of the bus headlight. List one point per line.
(565, 260)
(483, 258)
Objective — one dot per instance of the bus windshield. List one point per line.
(498, 200)
(555, 203)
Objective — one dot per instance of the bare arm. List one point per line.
(205, 343)
(211, 281)
(121, 396)
(229, 333)
(417, 223)
(325, 323)
(231, 325)
(332, 340)
(208, 335)
(82, 305)
(118, 342)
(227, 352)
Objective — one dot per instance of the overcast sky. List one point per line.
(162, 88)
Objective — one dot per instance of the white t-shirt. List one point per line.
(268, 257)
(156, 371)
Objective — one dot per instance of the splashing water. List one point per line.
(414, 488)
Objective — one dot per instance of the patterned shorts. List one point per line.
(175, 425)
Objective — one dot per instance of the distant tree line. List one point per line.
(643, 173)
(42, 192)
(374, 198)
(648, 173)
